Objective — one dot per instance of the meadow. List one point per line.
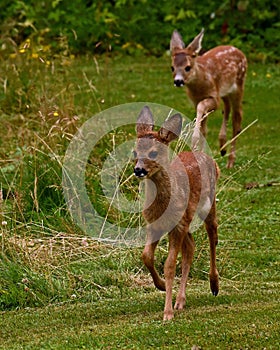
(59, 288)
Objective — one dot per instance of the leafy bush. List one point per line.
(140, 26)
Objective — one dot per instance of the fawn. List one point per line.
(174, 192)
(217, 74)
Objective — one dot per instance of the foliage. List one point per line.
(134, 26)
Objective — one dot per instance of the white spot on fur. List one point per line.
(226, 52)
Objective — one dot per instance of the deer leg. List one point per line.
(223, 131)
(236, 126)
(175, 242)
(188, 247)
(148, 257)
(199, 133)
(211, 227)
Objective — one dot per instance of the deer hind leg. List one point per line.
(223, 131)
(188, 247)
(175, 243)
(211, 227)
(236, 101)
(148, 257)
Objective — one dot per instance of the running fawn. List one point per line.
(174, 192)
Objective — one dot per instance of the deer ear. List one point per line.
(171, 128)
(195, 45)
(145, 121)
(176, 41)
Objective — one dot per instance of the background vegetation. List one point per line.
(59, 289)
(133, 26)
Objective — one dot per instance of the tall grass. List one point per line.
(45, 257)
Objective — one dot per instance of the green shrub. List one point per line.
(142, 26)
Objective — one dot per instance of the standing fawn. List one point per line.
(217, 74)
(174, 192)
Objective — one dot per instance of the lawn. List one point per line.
(59, 289)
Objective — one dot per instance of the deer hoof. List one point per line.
(168, 316)
(214, 285)
(160, 284)
(215, 292)
(214, 289)
(180, 304)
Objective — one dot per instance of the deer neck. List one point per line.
(200, 85)
(157, 194)
(159, 185)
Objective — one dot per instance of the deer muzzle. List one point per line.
(140, 172)
(139, 169)
(178, 82)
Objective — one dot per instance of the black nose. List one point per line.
(179, 83)
(140, 172)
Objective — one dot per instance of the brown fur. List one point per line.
(217, 74)
(174, 192)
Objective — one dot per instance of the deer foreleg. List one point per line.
(169, 272)
(148, 257)
(188, 248)
(203, 108)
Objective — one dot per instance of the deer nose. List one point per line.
(140, 172)
(179, 82)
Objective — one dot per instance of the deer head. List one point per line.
(151, 152)
(183, 59)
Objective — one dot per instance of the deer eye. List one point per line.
(188, 68)
(153, 154)
(172, 69)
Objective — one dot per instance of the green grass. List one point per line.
(232, 321)
(61, 290)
